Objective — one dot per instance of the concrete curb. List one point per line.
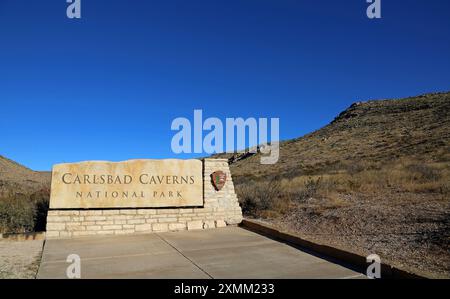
(387, 271)
(23, 236)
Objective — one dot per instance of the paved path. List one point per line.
(230, 252)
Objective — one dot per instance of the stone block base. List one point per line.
(66, 224)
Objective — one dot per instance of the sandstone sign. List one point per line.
(129, 184)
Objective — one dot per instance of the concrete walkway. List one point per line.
(230, 252)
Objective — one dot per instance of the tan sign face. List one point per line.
(218, 179)
(128, 184)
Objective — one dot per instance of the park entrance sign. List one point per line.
(138, 196)
(129, 184)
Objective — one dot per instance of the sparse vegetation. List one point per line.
(24, 213)
(404, 177)
(24, 196)
(309, 189)
(261, 196)
(17, 214)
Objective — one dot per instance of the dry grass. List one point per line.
(271, 199)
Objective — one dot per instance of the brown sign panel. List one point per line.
(218, 179)
(129, 184)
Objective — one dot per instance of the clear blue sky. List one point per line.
(108, 86)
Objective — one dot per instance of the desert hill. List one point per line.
(18, 179)
(364, 135)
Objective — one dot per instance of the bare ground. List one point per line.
(405, 230)
(20, 259)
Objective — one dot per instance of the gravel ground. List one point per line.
(19, 259)
(405, 230)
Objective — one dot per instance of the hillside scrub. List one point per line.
(403, 176)
(22, 213)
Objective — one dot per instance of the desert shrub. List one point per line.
(268, 193)
(423, 172)
(445, 189)
(309, 189)
(354, 168)
(354, 184)
(247, 198)
(329, 184)
(40, 199)
(17, 214)
(259, 196)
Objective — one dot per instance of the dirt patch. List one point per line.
(405, 230)
(20, 259)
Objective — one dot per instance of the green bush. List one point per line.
(17, 214)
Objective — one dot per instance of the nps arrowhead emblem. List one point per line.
(218, 179)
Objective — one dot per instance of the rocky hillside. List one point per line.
(18, 179)
(372, 132)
